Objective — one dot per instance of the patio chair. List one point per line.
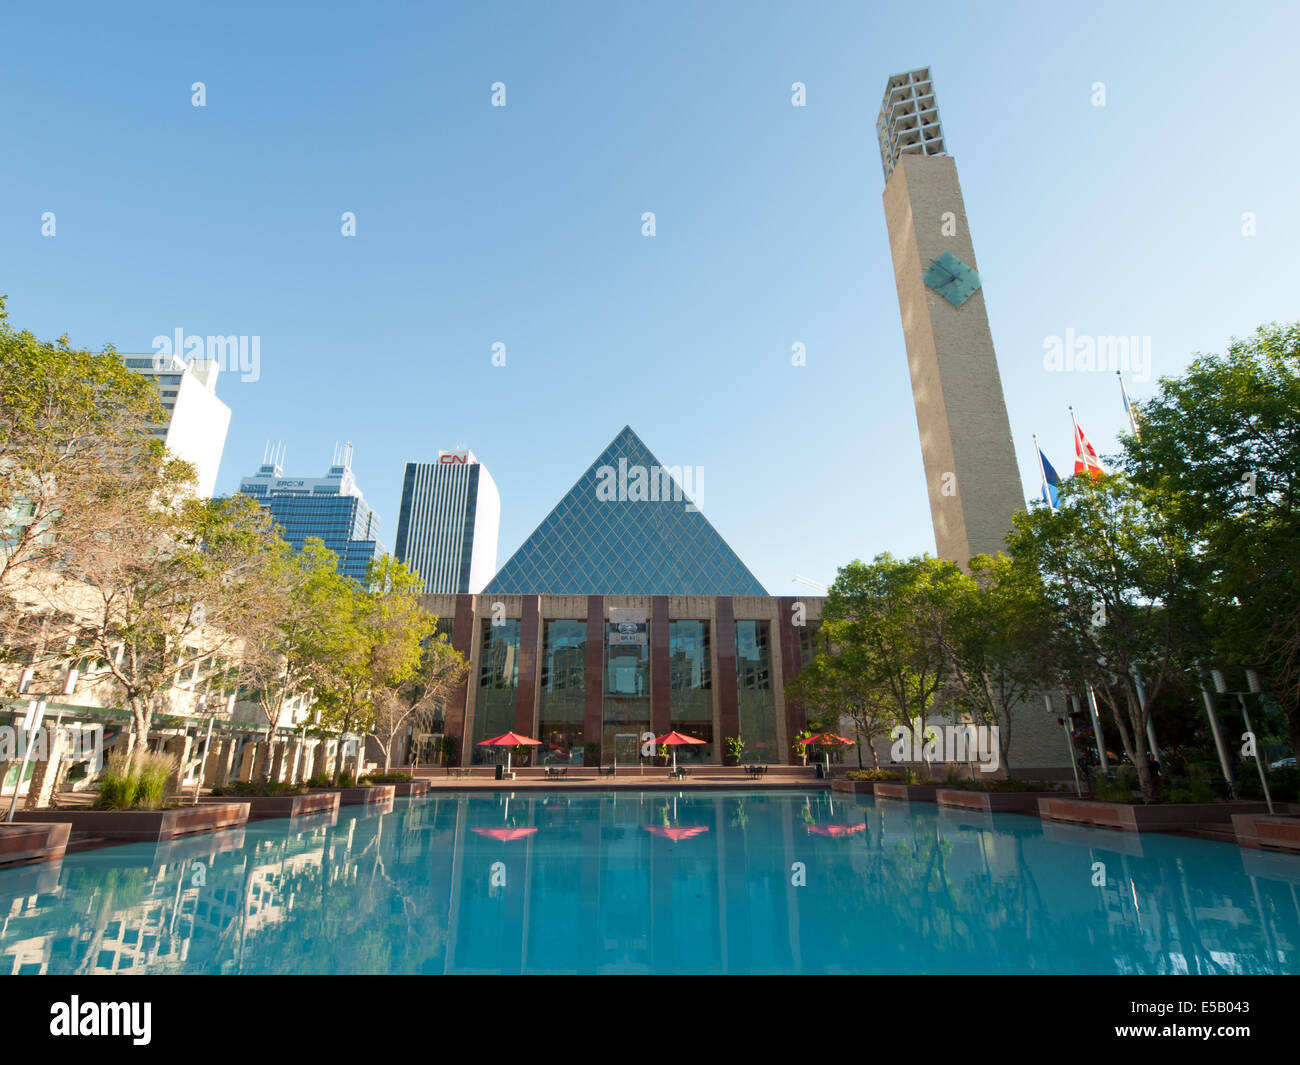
(608, 771)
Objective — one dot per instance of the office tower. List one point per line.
(970, 461)
(197, 421)
(447, 528)
(331, 508)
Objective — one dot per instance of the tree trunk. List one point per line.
(137, 744)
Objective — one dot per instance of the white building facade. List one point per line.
(197, 421)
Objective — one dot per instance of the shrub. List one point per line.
(270, 787)
(155, 771)
(117, 785)
(143, 787)
(385, 778)
(347, 779)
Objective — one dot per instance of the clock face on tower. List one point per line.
(952, 279)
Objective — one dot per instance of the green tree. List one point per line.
(839, 684)
(306, 625)
(1119, 573)
(74, 433)
(441, 668)
(177, 586)
(891, 618)
(1001, 643)
(1220, 444)
(386, 628)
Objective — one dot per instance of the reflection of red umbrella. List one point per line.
(674, 833)
(508, 740)
(505, 834)
(675, 740)
(836, 830)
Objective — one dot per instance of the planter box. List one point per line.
(854, 787)
(262, 807)
(906, 792)
(362, 795)
(21, 842)
(411, 788)
(1274, 832)
(1134, 817)
(148, 825)
(992, 802)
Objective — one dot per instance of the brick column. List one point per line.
(464, 631)
(660, 668)
(247, 760)
(726, 678)
(796, 718)
(530, 624)
(217, 771)
(593, 722)
(278, 760)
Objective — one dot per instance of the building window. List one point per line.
(564, 690)
(690, 683)
(627, 698)
(757, 704)
(498, 678)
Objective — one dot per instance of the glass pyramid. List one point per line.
(592, 544)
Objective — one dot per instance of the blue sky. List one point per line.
(522, 225)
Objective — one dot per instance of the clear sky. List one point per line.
(521, 225)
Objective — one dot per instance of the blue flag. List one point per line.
(1051, 483)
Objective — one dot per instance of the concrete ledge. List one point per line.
(21, 842)
(264, 807)
(992, 802)
(906, 792)
(1134, 817)
(148, 825)
(362, 795)
(1272, 832)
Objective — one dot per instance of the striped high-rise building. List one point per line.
(447, 528)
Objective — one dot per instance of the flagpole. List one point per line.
(1128, 405)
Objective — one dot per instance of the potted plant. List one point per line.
(735, 748)
(800, 746)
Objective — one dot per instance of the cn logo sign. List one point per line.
(451, 458)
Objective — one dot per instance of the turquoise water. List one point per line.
(656, 882)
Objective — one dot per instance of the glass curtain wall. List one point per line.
(757, 703)
(690, 671)
(564, 659)
(627, 699)
(498, 677)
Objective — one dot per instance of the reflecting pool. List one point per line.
(656, 882)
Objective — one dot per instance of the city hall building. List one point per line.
(625, 612)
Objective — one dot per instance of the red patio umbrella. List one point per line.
(673, 833)
(826, 739)
(675, 740)
(508, 740)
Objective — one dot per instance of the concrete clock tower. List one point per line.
(970, 463)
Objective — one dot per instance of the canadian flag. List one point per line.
(1085, 455)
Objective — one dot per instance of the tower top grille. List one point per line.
(908, 123)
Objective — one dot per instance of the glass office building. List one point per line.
(330, 508)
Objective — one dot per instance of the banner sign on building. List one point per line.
(627, 626)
